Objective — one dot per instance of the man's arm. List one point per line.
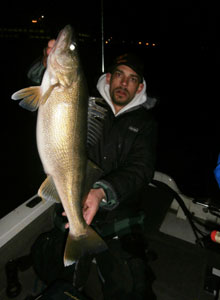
(136, 171)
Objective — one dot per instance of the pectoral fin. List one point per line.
(32, 97)
(48, 190)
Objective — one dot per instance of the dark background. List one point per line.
(181, 72)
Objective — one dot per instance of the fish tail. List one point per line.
(77, 247)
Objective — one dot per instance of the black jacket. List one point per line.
(126, 153)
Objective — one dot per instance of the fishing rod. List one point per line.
(102, 37)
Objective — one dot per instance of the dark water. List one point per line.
(182, 80)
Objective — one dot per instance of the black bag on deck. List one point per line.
(48, 250)
(47, 256)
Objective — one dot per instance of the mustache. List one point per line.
(121, 88)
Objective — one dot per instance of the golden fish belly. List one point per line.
(61, 139)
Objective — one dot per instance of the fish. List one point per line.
(61, 132)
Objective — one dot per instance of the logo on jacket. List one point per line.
(134, 129)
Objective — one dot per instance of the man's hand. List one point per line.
(47, 51)
(91, 204)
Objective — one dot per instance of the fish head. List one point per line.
(63, 61)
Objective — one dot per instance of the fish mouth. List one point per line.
(64, 50)
(64, 38)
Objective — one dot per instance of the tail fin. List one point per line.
(88, 244)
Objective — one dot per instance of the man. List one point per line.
(124, 91)
(126, 154)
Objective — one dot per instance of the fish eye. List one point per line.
(72, 47)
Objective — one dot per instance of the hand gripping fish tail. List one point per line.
(91, 243)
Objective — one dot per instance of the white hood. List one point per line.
(103, 89)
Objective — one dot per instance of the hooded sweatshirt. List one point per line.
(139, 99)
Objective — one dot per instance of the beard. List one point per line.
(120, 96)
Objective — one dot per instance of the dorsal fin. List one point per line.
(96, 114)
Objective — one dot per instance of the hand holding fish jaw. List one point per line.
(90, 205)
(47, 50)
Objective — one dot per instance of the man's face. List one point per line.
(124, 85)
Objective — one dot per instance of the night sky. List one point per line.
(181, 71)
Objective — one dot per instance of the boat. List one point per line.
(184, 259)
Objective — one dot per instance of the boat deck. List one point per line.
(183, 270)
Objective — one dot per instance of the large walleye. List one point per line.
(62, 100)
